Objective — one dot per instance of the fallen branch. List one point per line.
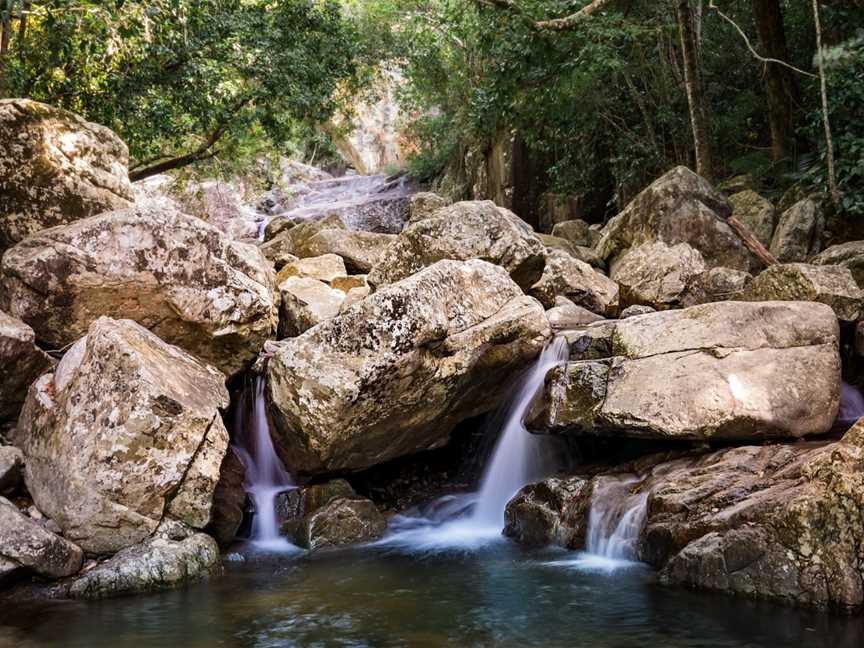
(751, 242)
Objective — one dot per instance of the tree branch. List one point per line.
(570, 22)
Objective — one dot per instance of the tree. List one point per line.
(695, 95)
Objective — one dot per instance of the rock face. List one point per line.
(679, 207)
(831, 285)
(19, 353)
(849, 255)
(329, 515)
(565, 276)
(756, 213)
(172, 273)
(394, 373)
(155, 564)
(465, 230)
(56, 168)
(730, 370)
(229, 500)
(798, 233)
(773, 521)
(25, 546)
(108, 466)
(658, 275)
(305, 303)
(221, 205)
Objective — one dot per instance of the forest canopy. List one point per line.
(603, 102)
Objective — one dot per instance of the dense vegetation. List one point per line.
(602, 103)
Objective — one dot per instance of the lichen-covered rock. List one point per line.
(171, 273)
(25, 546)
(773, 521)
(56, 168)
(848, 255)
(359, 250)
(565, 276)
(657, 275)
(756, 213)
(831, 285)
(578, 232)
(327, 268)
(396, 372)
(158, 563)
(679, 207)
(462, 231)
(729, 370)
(11, 468)
(305, 303)
(125, 433)
(799, 232)
(24, 362)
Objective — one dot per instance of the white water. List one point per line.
(473, 520)
(266, 476)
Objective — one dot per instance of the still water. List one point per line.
(388, 595)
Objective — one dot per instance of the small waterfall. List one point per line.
(519, 456)
(616, 519)
(266, 476)
(851, 406)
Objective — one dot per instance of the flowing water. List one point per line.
(266, 476)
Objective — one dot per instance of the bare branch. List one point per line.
(570, 22)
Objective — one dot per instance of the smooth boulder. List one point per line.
(462, 231)
(658, 275)
(25, 362)
(125, 433)
(171, 273)
(728, 371)
(56, 168)
(397, 371)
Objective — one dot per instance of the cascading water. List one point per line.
(266, 476)
(616, 519)
(519, 457)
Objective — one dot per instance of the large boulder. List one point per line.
(772, 521)
(799, 233)
(171, 273)
(56, 168)
(831, 285)
(729, 370)
(25, 361)
(566, 276)
(849, 255)
(25, 546)
(462, 231)
(158, 563)
(658, 275)
(397, 371)
(578, 232)
(756, 213)
(679, 207)
(327, 268)
(125, 433)
(305, 303)
(359, 250)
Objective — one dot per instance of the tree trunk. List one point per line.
(5, 29)
(695, 96)
(22, 26)
(780, 85)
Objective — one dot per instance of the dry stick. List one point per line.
(826, 122)
(751, 242)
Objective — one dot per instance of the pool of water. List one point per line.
(394, 595)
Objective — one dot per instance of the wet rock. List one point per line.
(56, 168)
(229, 500)
(11, 468)
(730, 370)
(305, 303)
(107, 467)
(565, 276)
(566, 315)
(798, 233)
(396, 372)
(540, 514)
(657, 275)
(679, 207)
(156, 564)
(756, 213)
(172, 273)
(359, 250)
(25, 546)
(578, 232)
(327, 268)
(831, 285)
(465, 230)
(25, 361)
(848, 255)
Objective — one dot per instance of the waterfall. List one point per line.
(519, 456)
(616, 519)
(266, 476)
(851, 406)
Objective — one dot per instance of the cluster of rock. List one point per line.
(383, 324)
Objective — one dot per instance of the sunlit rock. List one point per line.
(658, 275)
(305, 303)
